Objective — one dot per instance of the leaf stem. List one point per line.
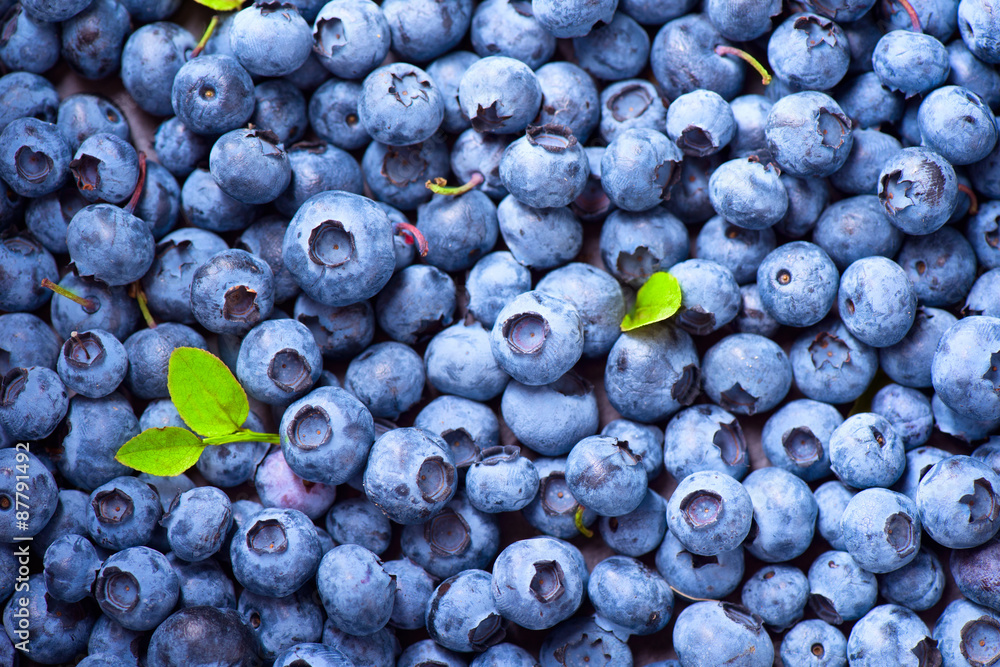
(135, 291)
(578, 520)
(205, 37)
(412, 235)
(243, 435)
(88, 305)
(134, 201)
(726, 50)
(439, 186)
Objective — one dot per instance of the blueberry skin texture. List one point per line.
(917, 585)
(983, 228)
(809, 51)
(630, 595)
(638, 168)
(108, 636)
(798, 284)
(504, 655)
(33, 401)
(710, 296)
(869, 103)
(961, 371)
(909, 62)
(357, 521)
(796, 438)
(414, 586)
(467, 426)
(137, 587)
(34, 157)
(748, 194)
(502, 481)
(251, 166)
(492, 282)
(615, 51)
(539, 238)
(48, 217)
(314, 654)
(807, 199)
(27, 94)
(581, 640)
(866, 452)
(27, 341)
(340, 332)
(424, 30)
(58, 631)
(270, 40)
(212, 94)
(314, 252)
(25, 264)
(965, 429)
(784, 515)
(197, 523)
(428, 651)
(877, 301)
(207, 207)
(15, 466)
(870, 151)
(478, 153)
(975, 21)
(233, 642)
(752, 317)
(457, 537)
(808, 134)
(279, 486)
(982, 297)
(798, 646)
(326, 436)
(400, 105)
(709, 513)
(55, 11)
(569, 99)
(644, 440)
(917, 189)
(69, 518)
(501, 28)
(159, 203)
(151, 58)
(537, 338)
(757, 367)
(712, 633)
(417, 461)
(633, 103)
(280, 107)
(29, 43)
(652, 373)
(178, 257)
(742, 21)
(640, 531)
(351, 37)
(957, 123)
(700, 123)
(461, 615)
(636, 245)
(918, 462)
(356, 592)
(278, 361)
(890, 634)
(71, 565)
(110, 244)
(264, 239)
(204, 583)
(941, 266)
(123, 513)
(545, 168)
(840, 590)
(573, 19)
(283, 625)
(232, 292)
(597, 297)
(317, 167)
(333, 115)
(149, 353)
(459, 230)
(908, 410)
(855, 228)
(97, 428)
(694, 576)
(683, 59)
(537, 582)
(777, 594)
(388, 378)
(92, 40)
(500, 95)
(459, 361)
(971, 570)
(881, 529)
(959, 629)
(604, 475)
(397, 175)
(275, 552)
(957, 499)
(970, 72)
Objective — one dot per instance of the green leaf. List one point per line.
(656, 300)
(164, 451)
(222, 5)
(207, 396)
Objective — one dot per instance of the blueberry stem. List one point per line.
(726, 50)
(88, 305)
(578, 520)
(973, 200)
(135, 291)
(439, 186)
(134, 201)
(689, 597)
(412, 235)
(205, 37)
(914, 19)
(243, 435)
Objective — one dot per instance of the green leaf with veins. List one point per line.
(164, 451)
(207, 396)
(656, 300)
(222, 5)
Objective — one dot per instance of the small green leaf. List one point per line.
(222, 5)
(207, 396)
(656, 300)
(164, 451)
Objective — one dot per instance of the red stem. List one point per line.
(412, 235)
(914, 19)
(134, 201)
(973, 200)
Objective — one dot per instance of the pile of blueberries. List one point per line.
(412, 230)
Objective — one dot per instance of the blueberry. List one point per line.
(569, 99)
(351, 37)
(869, 103)
(110, 637)
(71, 565)
(231, 292)
(270, 38)
(554, 509)
(492, 282)
(478, 153)
(633, 103)
(709, 513)
(551, 418)
(388, 378)
(92, 39)
(814, 642)
(962, 371)
(357, 521)
(400, 105)
(908, 362)
(983, 233)
(797, 436)
(149, 353)
(686, 447)
(784, 515)
(877, 301)
(457, 537)
(317, 167)
(414, 587)
(546, 168)
(957, 498)
(636, 245)
(809, 51)
(58, 630)
(424, 29)
(629, 595)
(710, 297)
(881, 529)
(752, 317)
(504, 655)
(890, 634)
(206, 206)
(178, 639)
(150, 59)
(746, 373)
(614, 51)
(96, 429)
(416, 303)
(965, 631)
(429, 652)
(197, 523)
(982, 297)
(283, 623)
(69, 518)
(462, 615)
(537, 338)
(808, 134)
(25, 265)
(709, 633)
(459, 361)
(137, 587)
(55, 10)
(778, 594)
(964, 428)
(638, 168)
(279, 361)
(123, 513)
(511, 29)
(539, 238)
(34, 157)
(683, 58)
(604, 475)
(917, 585)
(711, 577)
(840, 590)
(537, 582)
(798, 284)
(212, 94)
(909, 412)
(251, 166)
(203, 584)
(640, 531)
(910, 62)
(275, 552)
(502, 480)
(333, 114)
(410, 474)
(33, 401)
(278, 486)
(356, 592)
(311, 654)
(48, 217)
(957, 123)
(29, 44)
(27, 94)
(499, 95)
(970, 72)
(739, 250)
(917, 189)
(467, 426)
(855, 228)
